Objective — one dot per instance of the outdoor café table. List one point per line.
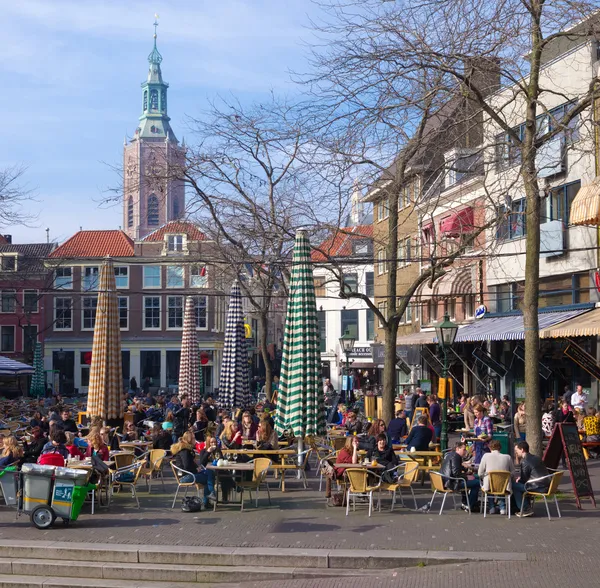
(231, 467)
(368, 466)
(141, 445)
(281, 453)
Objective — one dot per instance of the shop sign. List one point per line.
(583, 359)
(543, 370)
(487, 360)
(362, 352)
(480, 311)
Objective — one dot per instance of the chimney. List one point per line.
(8, 238)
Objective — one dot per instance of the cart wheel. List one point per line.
(42, 516)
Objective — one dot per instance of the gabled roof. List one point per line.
(87, 244)
(339, 243)
(177, 228)
(31, 255)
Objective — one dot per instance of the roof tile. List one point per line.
(86, 244)
(339, 243)
(177, 227)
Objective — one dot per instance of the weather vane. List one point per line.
(155, 23)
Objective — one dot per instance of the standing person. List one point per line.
(531, 468)
(409, 403)
(483, 429)
(133, 385)
(146, 386)
(520, 422)
(421, 401)
(495, 462)
(579, 398)
(452, 467)
(182, 419)
(568, 393)
(435, 415)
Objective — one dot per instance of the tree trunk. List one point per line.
(264, 325)
(389, 374)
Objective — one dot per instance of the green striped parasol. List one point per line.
(300, 402)
(38, 386)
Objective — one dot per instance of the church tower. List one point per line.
(153, 194)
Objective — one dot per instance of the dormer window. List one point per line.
(460, 164)
(175, 243)
(8, 263)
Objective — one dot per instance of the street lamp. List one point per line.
(446, 334)
(347, 345)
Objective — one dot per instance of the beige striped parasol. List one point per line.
(106, 381)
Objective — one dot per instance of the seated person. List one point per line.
(130, 433)
(352, 423)
(97, 447)
(74, 450)
(266, 437)
(248, 427)
(68, 424)
(385, 456)
(591, 424)
(531, 467)
(33, 450)
(39, 421)
(398, 427)
(211, 452)
(162, 436)
(231, 437)
(348, 454)
(11, 453)
(57, 444)
(564, 414)
(183, 453)
(452, 467)
(495, 461)
(370, 443)
(200, 425)
(420, 436)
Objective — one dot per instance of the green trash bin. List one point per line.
(505, 438)
(8, 485)
(79, 495)
(66, 480)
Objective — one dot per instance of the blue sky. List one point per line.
(71, 73)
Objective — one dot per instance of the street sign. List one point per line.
(480, 311)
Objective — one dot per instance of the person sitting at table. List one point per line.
(266, 437)
(33, 449)
(267, 417)
(504, 413)
(353, 424)
(200, 425)
(74, 450)
(98, 447)
(39, 421)
(231, 437)
(398, 427)
(162, 436)
(483, 430)
(209, 409)
(11, 453)
(67, 422)
(130, 433)
(495, 462)
(564, 414)
(222, 419)
(208, 455)
(384, 455)
(531, 467)
(184, 456)
(139, 414)
(377, 427)
(248, 427)
(420, 436)
(55, 449)
(452, 467)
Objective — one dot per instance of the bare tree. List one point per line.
(15, 198)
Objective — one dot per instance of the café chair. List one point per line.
(555, 480)
(179, 473)
(292, 460)
(358, 486)
(437, 483)
(127, 477)
(154, 466)
(259, 476)
(499, 482)
(405, 480)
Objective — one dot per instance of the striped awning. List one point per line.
(510, 328)
(422, 338)
(10, 367)
(585, 208)
(584, 325)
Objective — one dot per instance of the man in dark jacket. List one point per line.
(421, 401)
(397, 427)
(68, 424)
(531, 468)
(182, 419)
(420, 436)
(452, 467)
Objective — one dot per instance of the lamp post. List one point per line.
(446, 333)
(347, 345)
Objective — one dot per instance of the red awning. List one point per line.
(457, 223)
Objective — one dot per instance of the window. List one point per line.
(153, 99)
(362, 247)
(152, 276)
(63, 314)
(350, 322)
(460, 164)
(383, 209)
(175, 276)
(123, 313)
(122, 277)
(152, 213)
(508, 153)
(408, 314)
(320, 288)
(63, 278)
(401, 258)
(369, 284)
(469, 305)
(506, 298)
(512, 221)
(382, 307)
(405, 196)
(201, 303)
(90, 278)
(381, 262)
(130, 213)
(7, 339)
(551, 121)
(9, 263)
(151, 312)
(370, 325)
(88, 313)
(29, 339)
(30, 301)
(8, 301)
(198, 277)
(560, 200)
(350, 282)
(322, 318)
(175, 312)
(150, 366)
(175, 242)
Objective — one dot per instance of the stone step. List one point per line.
(10, 581)
(175, 574)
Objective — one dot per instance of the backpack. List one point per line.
(52, 458)
(192, 504)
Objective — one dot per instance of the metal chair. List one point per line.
(259, 476)
(358, 486)
(405, 480)
(300, 468)
(179, 474)
(118, 481)
(154, 465)
(555, 479)
(437, 483)
(123, 459)
(498, 486)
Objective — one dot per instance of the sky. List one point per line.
(71, 72)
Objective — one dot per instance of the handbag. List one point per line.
(192, 504)
(337, 499)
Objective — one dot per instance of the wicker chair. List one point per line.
(437, 483)
(259, 476)
(555, 480)
(154, 465)
(358, 486)
(405, 480)
(498, 486)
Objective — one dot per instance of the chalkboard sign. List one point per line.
(565, 438)
(419, 412)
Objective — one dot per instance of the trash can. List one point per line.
(66, 479)
(8, 485)
(505, 441)
(37, 484)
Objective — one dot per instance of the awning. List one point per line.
(422, 338)
(457, 223)
(510, 328)
(585, 208)
(585, 325)
(10, 367)
(457, 281)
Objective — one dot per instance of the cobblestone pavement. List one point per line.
(300, 518)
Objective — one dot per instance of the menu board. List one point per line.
(565, 439)
(419, 412)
